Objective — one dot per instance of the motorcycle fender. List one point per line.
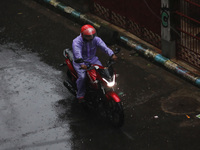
(113, 95)
(70, 66)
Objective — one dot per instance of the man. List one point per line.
(84, 48)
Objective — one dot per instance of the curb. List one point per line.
(72, 12)
(147, 52)
(167, 63)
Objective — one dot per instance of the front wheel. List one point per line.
(115, 113)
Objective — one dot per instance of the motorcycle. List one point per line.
(100, 95)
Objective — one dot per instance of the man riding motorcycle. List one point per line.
(84, 48)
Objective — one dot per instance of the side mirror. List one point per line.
(79, 60)
(117, 50)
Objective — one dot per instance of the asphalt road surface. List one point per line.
(37, 112)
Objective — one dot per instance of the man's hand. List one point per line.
(83, 67)
(114, 57)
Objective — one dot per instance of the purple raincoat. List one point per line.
(86, 51)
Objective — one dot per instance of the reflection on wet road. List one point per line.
(29, 91)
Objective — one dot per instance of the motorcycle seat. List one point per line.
(69, 54)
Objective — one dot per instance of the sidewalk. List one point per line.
(108, 31)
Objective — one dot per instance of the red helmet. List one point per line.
(88, 32)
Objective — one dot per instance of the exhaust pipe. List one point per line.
(70, 87)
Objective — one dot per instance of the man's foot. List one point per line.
(81, 99)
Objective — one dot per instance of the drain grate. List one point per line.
(181, 105)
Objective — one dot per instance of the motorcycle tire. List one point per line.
(115, 113)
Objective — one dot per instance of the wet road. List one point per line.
(37, 112)
(29, 92)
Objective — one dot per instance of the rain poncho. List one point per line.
(86, 51)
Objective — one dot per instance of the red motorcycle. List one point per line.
(100, 95)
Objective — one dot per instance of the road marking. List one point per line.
(128, 135)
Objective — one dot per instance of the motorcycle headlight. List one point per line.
(110, 84)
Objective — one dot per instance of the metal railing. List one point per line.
(134, 16)
(188, 43)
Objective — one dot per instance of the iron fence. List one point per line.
(188, 44)
(139, 17)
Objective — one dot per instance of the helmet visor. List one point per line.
(89, 37)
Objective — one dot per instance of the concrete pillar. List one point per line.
(168, 44)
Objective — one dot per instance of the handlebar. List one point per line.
(89, 68)
(109, 63)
